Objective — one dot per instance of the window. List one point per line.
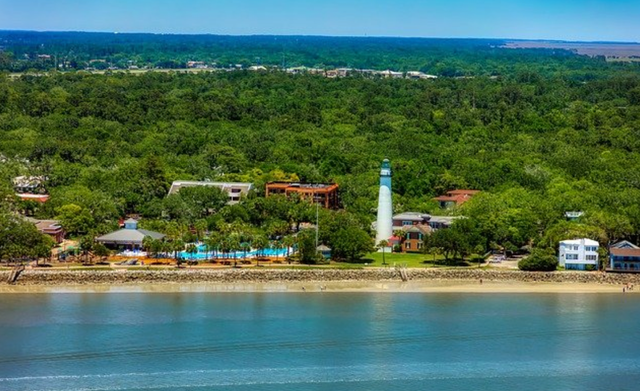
(572, 257)
(407, 245)
(592, 257)
(591, 248)
(236, 190)
(407, 223)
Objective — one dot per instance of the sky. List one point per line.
(576, 20)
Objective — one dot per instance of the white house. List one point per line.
(234, 189)
(578, 254)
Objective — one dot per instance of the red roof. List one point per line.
(34, 197)
(469, 192)
(625, 252)
(457, 196)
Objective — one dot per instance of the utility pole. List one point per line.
(317, 219)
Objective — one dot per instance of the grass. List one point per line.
(402, 259)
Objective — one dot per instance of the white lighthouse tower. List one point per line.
(384, 226)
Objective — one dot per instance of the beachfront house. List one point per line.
(129, 237)
(624, 257)
(579, 254)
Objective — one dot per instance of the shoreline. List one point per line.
(316, 280)
(459, 286)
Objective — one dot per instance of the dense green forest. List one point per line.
(536, 144)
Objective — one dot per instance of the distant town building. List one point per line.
(325, 194)
(257, 68)
(419, 75)
(455, 198)
(196, 64)
(235, 190)
(391, 74)
(578, 254)
(129, 237)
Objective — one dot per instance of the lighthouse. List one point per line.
(384, 226)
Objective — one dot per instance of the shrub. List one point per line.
(539, 261)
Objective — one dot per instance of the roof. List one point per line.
(225, 186)
(33, 197)
(457, 196)
(322, 247)
(586, 242)
(46, 226)
(298, 187)
(463, 191)
(444, 219)
(412, 216)
(126, 236)
(625, 252)
(624, 244)
(421, 228)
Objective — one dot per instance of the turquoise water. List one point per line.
(203, 254)
(319, 341)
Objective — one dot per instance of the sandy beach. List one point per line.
(328, 287)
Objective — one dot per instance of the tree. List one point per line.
(74, 219)
(307, 247)
(192, 249)
(289, 242)
(86, 246)
(539, 261)
(260, 243)
(350, 244)
(20, 240)
(383, 246)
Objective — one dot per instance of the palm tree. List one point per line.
(260, 242)
(383, 245)
(233, 243)
(192, 249)
(177, 245)
(212, 243)
(289, 241)
(277, 245)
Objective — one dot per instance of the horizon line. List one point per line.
(324, 36)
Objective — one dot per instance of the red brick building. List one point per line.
(325, 194)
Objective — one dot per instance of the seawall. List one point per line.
(187, 276)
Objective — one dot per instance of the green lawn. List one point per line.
(400, 259)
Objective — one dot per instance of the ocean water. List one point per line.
(319, 341)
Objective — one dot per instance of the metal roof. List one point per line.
(129, 236)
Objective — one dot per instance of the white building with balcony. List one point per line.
(578, 254)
